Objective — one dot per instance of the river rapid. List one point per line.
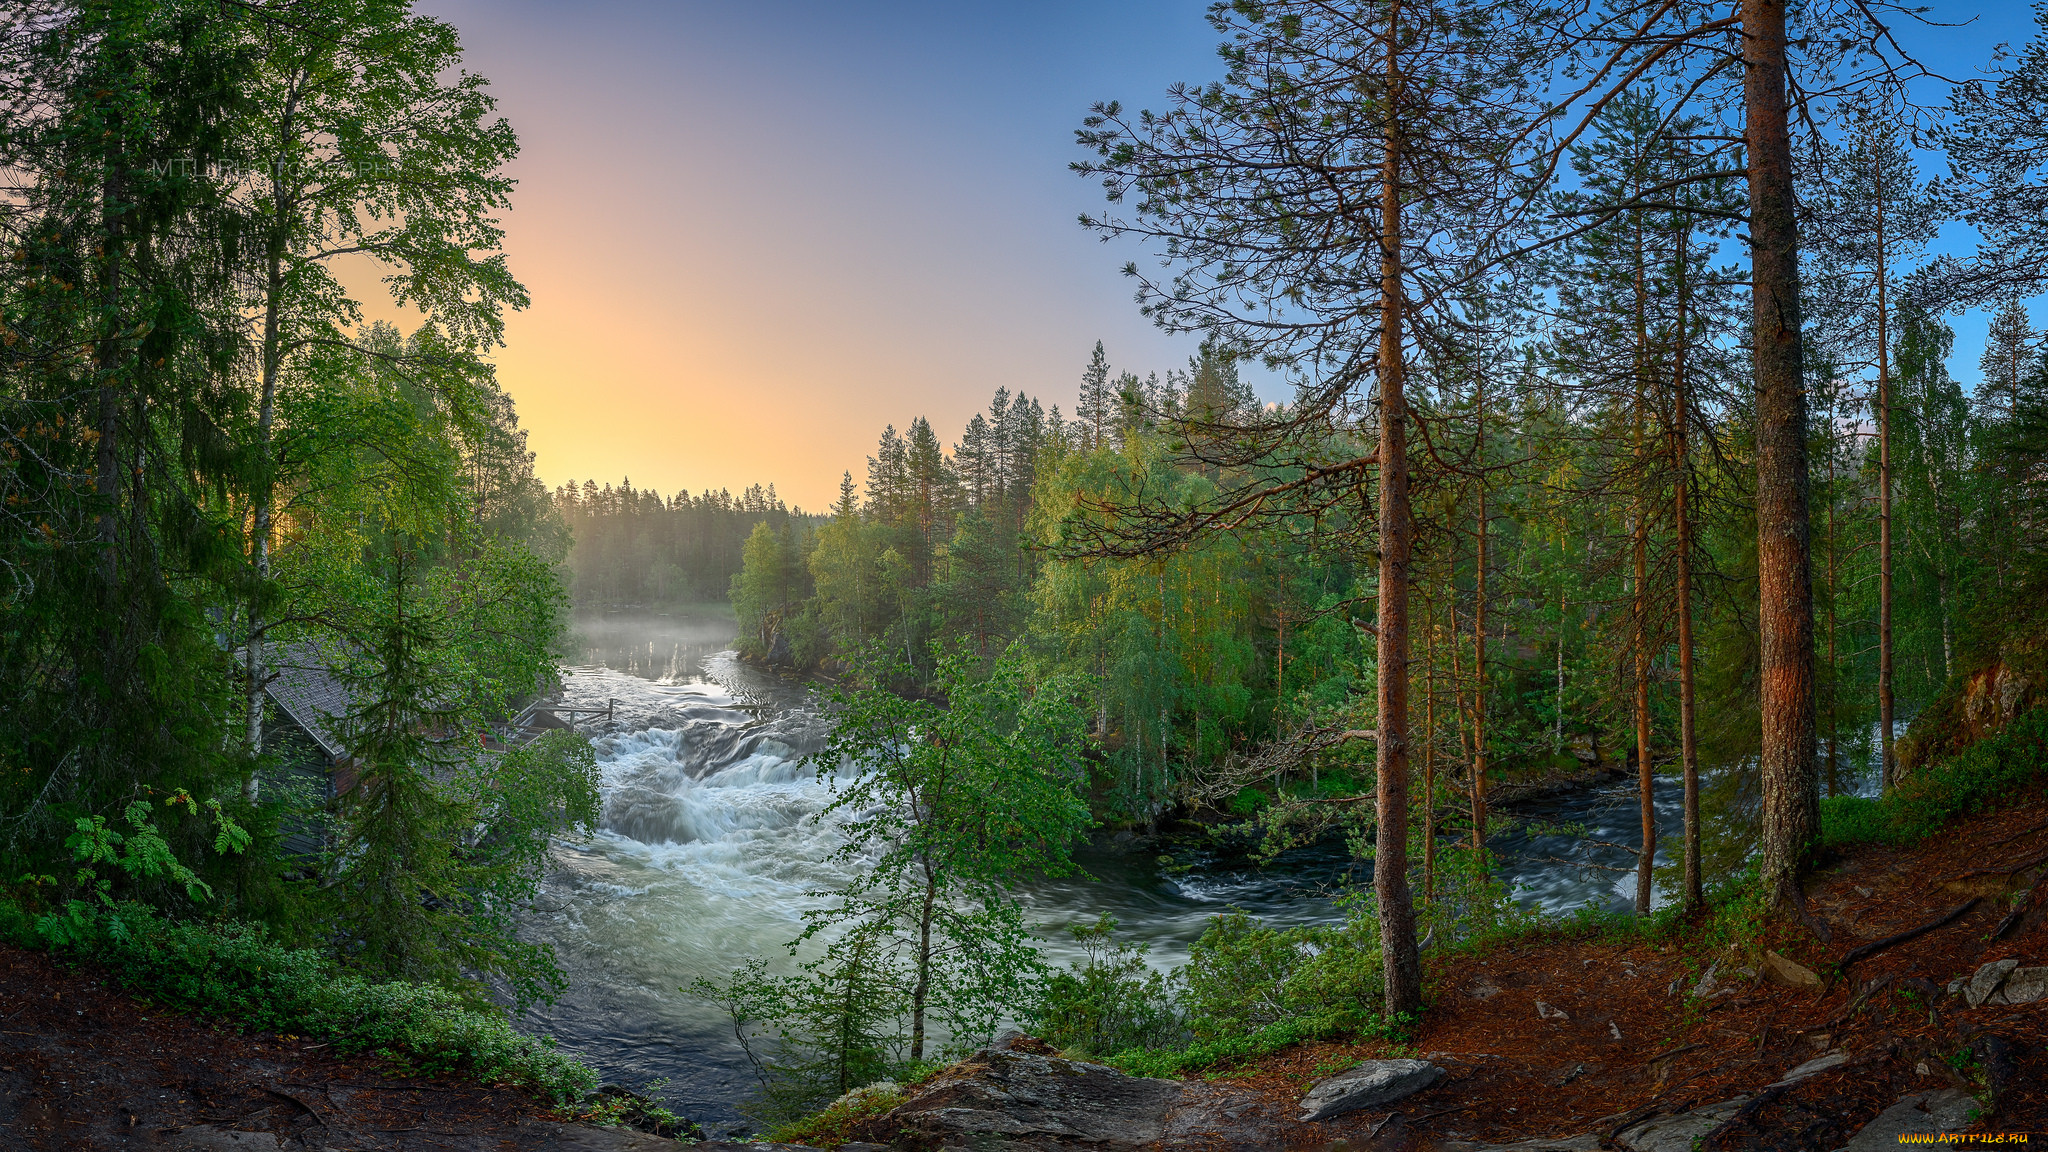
(712, 846)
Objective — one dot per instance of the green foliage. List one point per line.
(1250, 802)
(834, 1125)
(948, 803)
(1242, 975)
(240, 974)
(1113, 1001)
(1978, 778)
(951, 804)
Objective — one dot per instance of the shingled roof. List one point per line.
(304, 684)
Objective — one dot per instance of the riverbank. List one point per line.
(84, 1064)
(1574, 1040)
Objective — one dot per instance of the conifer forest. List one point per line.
(1574, 399)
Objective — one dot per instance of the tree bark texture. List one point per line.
(1784, 562)
(1402, 961)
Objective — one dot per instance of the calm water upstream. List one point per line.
(710, 848)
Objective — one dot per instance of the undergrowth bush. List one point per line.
(835, 1124)
(1979, 777)
(236, 973)
(1110, 1002)
(1248, 989)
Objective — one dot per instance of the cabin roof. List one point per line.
(304, 684)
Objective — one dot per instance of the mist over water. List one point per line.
(712, 844)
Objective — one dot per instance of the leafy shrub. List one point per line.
(1981, 776)
(1242, 976)
(1110, 1002)
(835, 1124)
(1846, 821)
(1250, 801)
(236, 972)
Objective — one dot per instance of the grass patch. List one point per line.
(1983, 776)
(1207, 1055)
(235, 973)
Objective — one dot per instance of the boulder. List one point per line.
(1014, 1096)
(1948, 1110)
(1790, 973)
(2021, 986)
(1986, 981)
(1678, 1132)
(1369, 1085)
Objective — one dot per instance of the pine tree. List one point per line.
(1096, 411)
(2009, 349)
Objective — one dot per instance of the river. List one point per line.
(710, 850)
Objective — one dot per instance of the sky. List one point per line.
(755, 233)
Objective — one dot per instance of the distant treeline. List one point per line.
(636, 546)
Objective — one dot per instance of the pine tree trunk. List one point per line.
(1402, 961)
(1640, 603)
(1688, 740)
(1429, 761)
(1790, 816)
(1887, 764)
(1479, 648)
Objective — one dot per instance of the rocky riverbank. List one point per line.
(1925, 1011)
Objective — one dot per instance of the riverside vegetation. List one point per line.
(1621, 420)
(211, 461)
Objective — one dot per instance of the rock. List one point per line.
(1546, 1012)
(1587, 1143)
(1790, 973)
(1948, 1110)
(584, 1138)
(2022, 986)
(1814, 1067)
(634, 1111)
(1010, 1096)
(1372, 1083)
(1986, 981)
(207, 1138)
(1707, 984)
(1677, 1133)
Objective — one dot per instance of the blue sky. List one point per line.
(756, 232)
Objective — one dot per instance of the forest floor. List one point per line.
(85, 1065)
(1620, 1040)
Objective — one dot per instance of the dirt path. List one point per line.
(85, 1065)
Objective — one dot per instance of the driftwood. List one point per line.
(1865, 951)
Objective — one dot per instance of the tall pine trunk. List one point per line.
(1688, 739)
(1402, 961)
(1791, 804)
(1639, 622)
(1887, 766)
